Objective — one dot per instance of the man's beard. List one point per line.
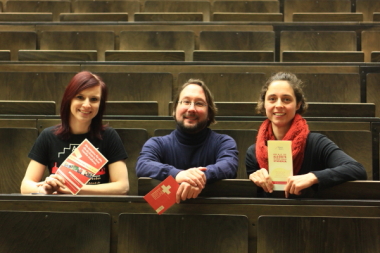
(192, 129)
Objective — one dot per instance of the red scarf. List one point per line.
(297, 134)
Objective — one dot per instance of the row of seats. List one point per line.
(161, 88)
(357, 143)
(255, 46)
(202, 10)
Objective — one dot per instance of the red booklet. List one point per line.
(80, 166)
(163, 195)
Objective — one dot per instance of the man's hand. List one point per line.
(296, 184)
(187, 191)
(261, 179)
(193, 176)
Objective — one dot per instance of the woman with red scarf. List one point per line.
(316, 159)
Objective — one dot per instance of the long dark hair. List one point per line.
(81, 81)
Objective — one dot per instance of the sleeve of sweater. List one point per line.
(226, 163)
(339, 167)
(251, 163)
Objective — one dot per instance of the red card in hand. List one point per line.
(163, 195)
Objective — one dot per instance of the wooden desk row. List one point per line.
(206, 224)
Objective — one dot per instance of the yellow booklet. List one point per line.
(280, 162)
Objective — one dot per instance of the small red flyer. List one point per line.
(80, 166)
(163, 195)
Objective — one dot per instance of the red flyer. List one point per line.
(79, 167)
(163, 195)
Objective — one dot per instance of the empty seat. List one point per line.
(89, 6)
(233, 55)
(376, 16)
(158, 40)
(327, 17)
(133, 141)
(15, 145)
(246, 86)
(179, 6)
(332, 87)
(322, 56)
(266, 6)
(57, 55)
(373, 94)
(375, 56)
(256, 17)
(168, 16)
(42, 231)
(131, 108)
(53, 6)
(145, 55)
(213, 233)
(367, 7)
(318, 41)
(93, 17)
(293, 6)
(23, 107)
(5, 55)
(370, 43)
(88, 40)
(351, 234)
(15, 41)
(25, 17)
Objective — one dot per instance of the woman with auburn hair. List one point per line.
(82, 108)
(317, 161)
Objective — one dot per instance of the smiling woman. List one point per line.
(82, 109)
(317, 161)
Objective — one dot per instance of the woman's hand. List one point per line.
(261, 179)
(296, 184)
(52, 184)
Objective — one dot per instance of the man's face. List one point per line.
(192, 117)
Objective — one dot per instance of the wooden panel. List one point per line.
(133, 140)
(292, 6)
(55, 7)
(246, 6)
(95, 40)
(243, 188)
(230, 55)
(93, 17)
(375, 56)
(373, 92)
(317, 234)
(212, 233)
(131, 108)
(140, 87)
(268, 17)
(179, 6)
(35, 86)
(236, 40)
(145, 55)
(370, 43)
(219, 83)
(357, 144)
(83, 232)
(15, 145)
(5, 55)
(89, 6)
(320, 109)
(57, 55)
(27, 107)
(322, 56)
(33, 17)
(318, 41)
(367, 7)
(327, 17)
(376, 16)
(152, 40)
(340, 88)
(175, 16)
(15, 41)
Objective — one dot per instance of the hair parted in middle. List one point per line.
(212, 109)
(81, 81)
(293, 81)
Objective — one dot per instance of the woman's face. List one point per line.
(280, 104)
(85, 105)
